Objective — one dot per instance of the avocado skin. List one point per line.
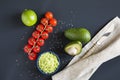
(78, 34)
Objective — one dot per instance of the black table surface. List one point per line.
(91, 14)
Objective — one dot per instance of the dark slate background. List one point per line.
(91, 14)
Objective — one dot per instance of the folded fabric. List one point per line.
(83, 68)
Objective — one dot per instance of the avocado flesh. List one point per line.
(73, 48)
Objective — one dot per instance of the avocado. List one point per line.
(73, 48)
(78, 34)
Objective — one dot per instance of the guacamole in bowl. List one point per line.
(48, 62)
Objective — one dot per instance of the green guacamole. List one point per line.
(48, 62)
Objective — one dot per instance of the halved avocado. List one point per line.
(73, 48)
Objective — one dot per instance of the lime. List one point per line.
(29, 17)
(78, 34)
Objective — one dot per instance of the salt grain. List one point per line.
(31, 74)
(18, 64)
(36, 77)
(26, 62)
(29, 71)
(22, 38)
(16, 60)
(26, 32)
(39, 76)
(21, 75)
(71, 12)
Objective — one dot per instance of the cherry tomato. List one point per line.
(31, 41)
(32, 56)
(44, 21)
(36, 34)
(53, 22)
(27, 48)
(40, 42)
(49, 29)
(40, 28)
(45, 35)
(36, 49)
(49, 15)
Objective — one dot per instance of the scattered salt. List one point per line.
(56, 41)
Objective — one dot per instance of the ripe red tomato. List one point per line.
(40, 42)
(36, 34)
(45, 35)
(40, 28)
(32, 56)
(44, 21)
(49, 29)
(36, 49)
(27, 48)
(49, 15)
(53, 22)
(31, 41)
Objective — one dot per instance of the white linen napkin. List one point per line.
(84, 65)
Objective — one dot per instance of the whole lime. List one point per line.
(29, 17)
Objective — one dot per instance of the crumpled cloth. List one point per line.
(85, 64)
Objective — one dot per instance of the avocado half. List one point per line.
(73, 48)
